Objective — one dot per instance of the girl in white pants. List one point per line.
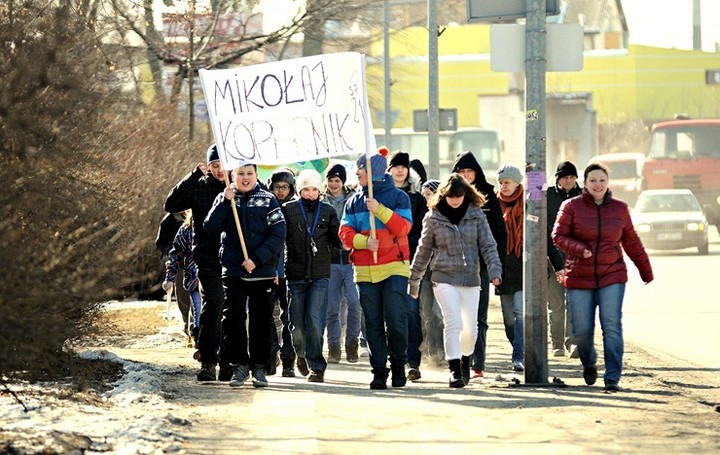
(455, 233)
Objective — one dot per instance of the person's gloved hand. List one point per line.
(167, 285)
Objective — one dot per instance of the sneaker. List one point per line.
(226, 372)
(590, 375)
(399, 379)
(258, 376)
(574, 354)
(477, 374)
(559, 352)
(207, 372)
(302, 366)
(288, 372)
(239, 376)
(611, 387)
(334, 353)
(518, 365)
(316, 376)
(364, 352)
(351, 351)
(413, 374)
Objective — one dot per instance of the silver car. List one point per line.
(670, 220)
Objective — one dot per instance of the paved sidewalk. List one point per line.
(653, 414)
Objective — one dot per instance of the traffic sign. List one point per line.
(564, 49)
(501, 10)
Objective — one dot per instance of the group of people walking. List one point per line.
(395, 260)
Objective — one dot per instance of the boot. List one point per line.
(334, 353)
(379, 381)
(288, 367)
(351, 351)
(398, 373)
(465, 368)
(456, 379)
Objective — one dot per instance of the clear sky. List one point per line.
(669, 23)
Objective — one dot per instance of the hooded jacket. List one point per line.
(493, 212)
(453, 252)
(605, 230)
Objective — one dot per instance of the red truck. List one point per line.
(686, 154)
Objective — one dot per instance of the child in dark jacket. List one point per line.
(248, 270)
(180, 258)
(312, 232)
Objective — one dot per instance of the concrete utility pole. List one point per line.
(535, 267)
(697, 26)
(433, 104)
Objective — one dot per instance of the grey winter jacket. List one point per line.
(453, 251)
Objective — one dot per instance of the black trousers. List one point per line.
(212, 293)
(247, 301)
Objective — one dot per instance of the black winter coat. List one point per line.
(300, 261)
(197, 192)
(263, 228)
(555, 197)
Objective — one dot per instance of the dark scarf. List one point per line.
(513, 207)
(452, 214)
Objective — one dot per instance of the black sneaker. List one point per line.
(288, 372)
(379, 381)
(612, 387)
(207, 372)
(240, 375)
(258, 377)
(590, 375)
(226, 372)
(302, 366)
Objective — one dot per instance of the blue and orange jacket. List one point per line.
(393, 222)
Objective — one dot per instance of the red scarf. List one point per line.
(513, 207)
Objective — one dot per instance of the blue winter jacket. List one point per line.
(263, 228)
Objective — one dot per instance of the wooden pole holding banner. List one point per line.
(373, 233)
(237, 218)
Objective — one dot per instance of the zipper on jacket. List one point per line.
(597, 247)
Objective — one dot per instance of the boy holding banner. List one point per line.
(248, 262)
(381, 264)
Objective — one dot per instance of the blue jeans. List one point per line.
(342, 284)
(385, 306)
(308, 312)
(512, 311)
(581, 305)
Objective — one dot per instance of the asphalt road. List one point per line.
(678, 314)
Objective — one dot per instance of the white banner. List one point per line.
(291, 110)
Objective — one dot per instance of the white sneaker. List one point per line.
(364, 352)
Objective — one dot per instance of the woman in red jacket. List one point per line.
(593, 229)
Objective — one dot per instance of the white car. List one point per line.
(670, 220)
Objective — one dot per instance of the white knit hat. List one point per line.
(308, 178)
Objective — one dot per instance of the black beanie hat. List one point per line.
(417, 165)
(338, 171)
(399, 158)
(564, 169)
(283, 175)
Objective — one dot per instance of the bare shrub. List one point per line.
(84, 173)
(630, 136)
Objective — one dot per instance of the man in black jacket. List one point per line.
(467, 165)
(197, 191)
(565, 188)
